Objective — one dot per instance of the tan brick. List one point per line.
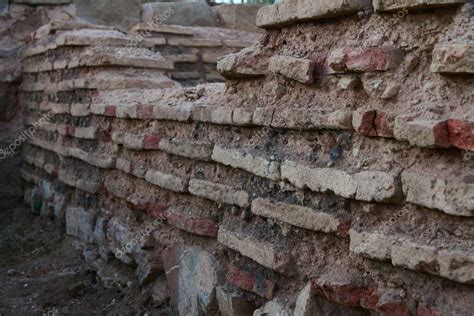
(166, 181)
(290, 12)
(80, 109)
(319, 179)
(299, 69)
(126, 111)
(80, 223)
(422, 133)
(130, 141)
(221, 115)
(456, 265)
(415, 257)
(377, 186)
(310, 119)
(187, 148)
(264, 253)
(219, 193)
(452, 196)
(453, 58)
(236, 158)
(249, 62)
(242, 116)
(299, 216)
(392, 5)
(263, 116)
(86, 132)
(372, 245)
(172, 113)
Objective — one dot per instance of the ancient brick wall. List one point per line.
(332, 174)
(194, 50)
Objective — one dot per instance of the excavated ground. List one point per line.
(43, 273)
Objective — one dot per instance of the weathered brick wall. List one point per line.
(332, 173)
(17, 21)
(194, 50)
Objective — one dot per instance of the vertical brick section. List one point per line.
(250, 282)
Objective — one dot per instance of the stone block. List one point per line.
(80, 223)
(197, 281)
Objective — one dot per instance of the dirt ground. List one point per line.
(42, 273)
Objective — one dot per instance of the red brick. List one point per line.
(371, 59)
(461, 134)
(193, 224)
(365, 60)
(144, 111)
(424, 310)
(110, 110)
(71, 130)
(376, 123)
(151, 142)
(367, 124)
(251, 283)
(347, 293)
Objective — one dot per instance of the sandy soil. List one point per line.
(42, 273)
